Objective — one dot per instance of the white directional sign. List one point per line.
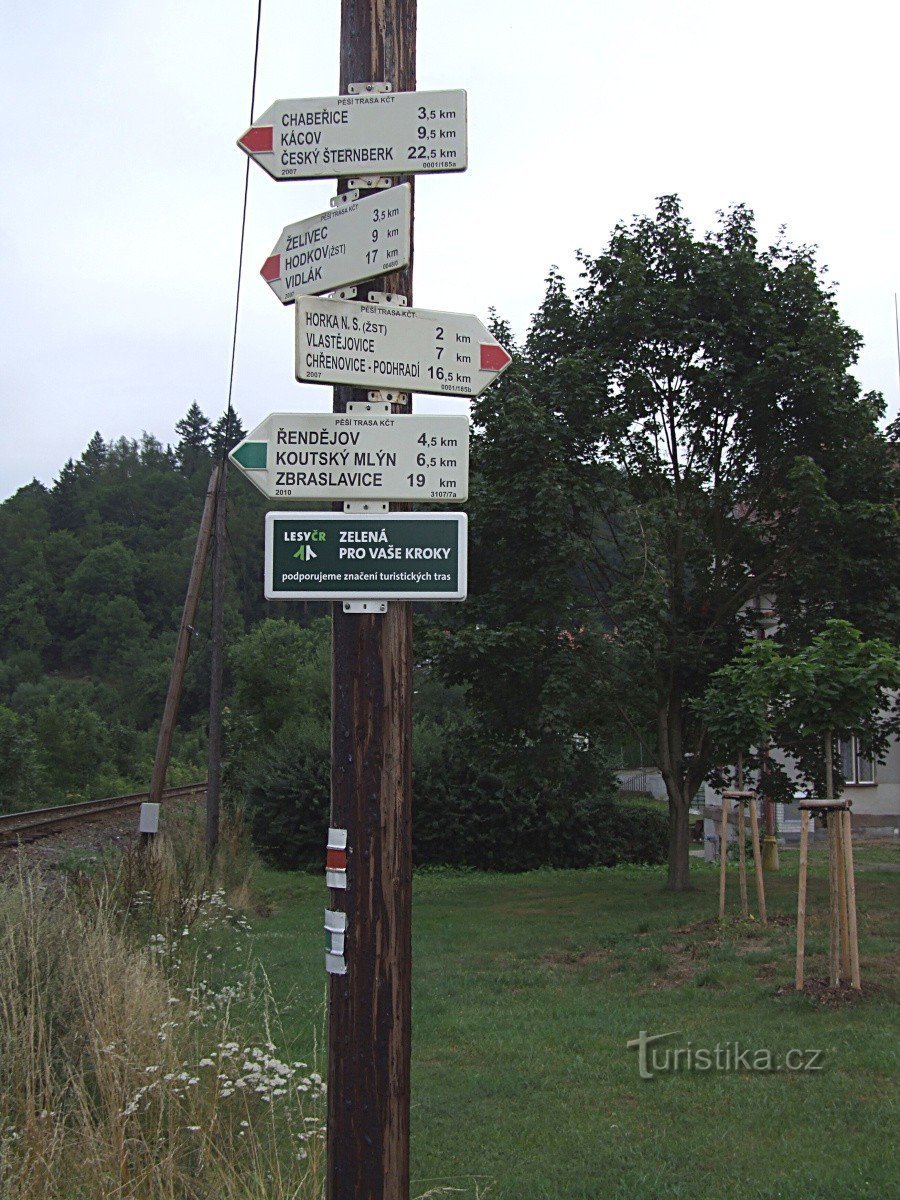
(361, 455)
(345, 245)
(383, 133)
(382, 346)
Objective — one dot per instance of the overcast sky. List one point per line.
(122, 185)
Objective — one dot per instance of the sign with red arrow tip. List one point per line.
(351, 242)
(383, 133)
(406, 349)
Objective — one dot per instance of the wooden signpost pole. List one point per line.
(369, 1018)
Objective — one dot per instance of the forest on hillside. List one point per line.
(94, 572)
(94, 575)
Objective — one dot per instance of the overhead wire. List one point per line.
(229, 410)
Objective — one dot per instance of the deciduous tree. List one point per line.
(700, 407)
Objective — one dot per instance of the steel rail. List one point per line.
(13, 825)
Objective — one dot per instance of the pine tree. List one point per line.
(227, 432)
(95, 455)
(194, 440)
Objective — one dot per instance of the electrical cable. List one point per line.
(229, 411)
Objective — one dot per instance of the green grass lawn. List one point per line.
(527, 988)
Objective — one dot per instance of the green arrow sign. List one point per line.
(251, 456)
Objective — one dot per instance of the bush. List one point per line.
(469, 811)
(507, 806)
(287, 796)
(466, 811)
(17, 760)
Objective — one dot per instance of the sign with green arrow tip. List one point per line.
(364, 454)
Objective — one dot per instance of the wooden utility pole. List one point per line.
(217, 667)
(183, 645)
(369, 1019)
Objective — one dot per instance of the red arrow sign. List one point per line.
(257, 139)
(271, 268)
(493, 357)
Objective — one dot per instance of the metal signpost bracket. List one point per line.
(360, 89)
(346, 293)
(379, 182)
(366, 606)
(349, 196)
(365, 506)
(378, 402)
(392, 299)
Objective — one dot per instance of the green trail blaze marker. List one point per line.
(251, 456)
(394, 556)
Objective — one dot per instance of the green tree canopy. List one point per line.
(699, 419)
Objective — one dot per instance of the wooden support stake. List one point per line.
(834, 919)
(757, 862)
(801, 898)
(183, 645)
(723, 851)
(742, 858)
(851, 901)
(838, 818)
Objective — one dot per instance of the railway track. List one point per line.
(41, 822)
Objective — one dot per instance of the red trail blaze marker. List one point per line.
(271, 268)
(258, 139)
(493, 357)
(336, 860)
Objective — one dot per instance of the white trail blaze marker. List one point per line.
(345, 245)
(408, 349)
(358, 456)
(384, 133)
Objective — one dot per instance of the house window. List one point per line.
(856, 767)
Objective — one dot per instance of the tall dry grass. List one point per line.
(125, 1073)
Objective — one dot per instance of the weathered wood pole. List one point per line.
(801, 898)
(723, 853)
(369, 1016)
(757, 862)
(851, 900)
(217, 667)
(183, 645)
